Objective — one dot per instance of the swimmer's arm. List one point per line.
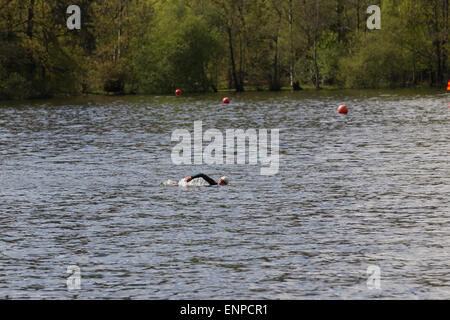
(204, 176)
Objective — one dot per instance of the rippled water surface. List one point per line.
(81, 184)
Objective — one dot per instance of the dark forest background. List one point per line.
(155, 46)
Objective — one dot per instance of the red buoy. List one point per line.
(342, 109)
(178, 92)
(226, 100)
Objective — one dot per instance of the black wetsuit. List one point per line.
(206, 178)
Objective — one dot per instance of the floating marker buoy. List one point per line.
(178, 92)
(226, 100)
(342, 109)
(448, 86)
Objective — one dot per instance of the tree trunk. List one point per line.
(339, 11)
(358, 19)
(30, 19)
(291, 46)
(119, 31)
(243, 41)
(241, 62)
(237, 85)
(437, 46)
(445, 40)
(275, 85)
(316, 31)
(275, 82)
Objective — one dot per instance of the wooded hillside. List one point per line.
(151, 46)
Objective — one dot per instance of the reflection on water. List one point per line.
(81, 184)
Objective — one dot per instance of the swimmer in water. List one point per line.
(222, 182)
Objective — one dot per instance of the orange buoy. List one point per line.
(448, 86)
(178, 92)
(226, 100)
(342, 109)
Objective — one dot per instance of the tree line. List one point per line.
(156, 46)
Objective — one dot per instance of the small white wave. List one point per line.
(170, 183)
(199, 182)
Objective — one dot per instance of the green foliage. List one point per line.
(403, 52)
(113, 76)
(373, 66)
(155, 46)
(12, 85)
(329, 53)
(178, 57)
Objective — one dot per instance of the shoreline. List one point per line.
(306, 89)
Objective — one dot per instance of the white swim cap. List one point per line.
(225, 179)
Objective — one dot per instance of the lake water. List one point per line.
(81, 184)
